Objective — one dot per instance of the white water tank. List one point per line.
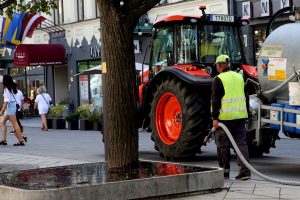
(279, 57)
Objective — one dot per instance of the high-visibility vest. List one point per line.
(233, 103)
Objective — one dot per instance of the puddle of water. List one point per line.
(87, 174)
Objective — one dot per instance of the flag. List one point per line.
(15, 28)
(30, 23)
(5, 25)
(5, 21)
(20, 26)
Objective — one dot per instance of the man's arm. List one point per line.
(247, 101)
(216, 97)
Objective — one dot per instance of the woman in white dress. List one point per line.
(42, 101)
(9, 109)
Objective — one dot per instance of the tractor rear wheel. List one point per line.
(179, 119)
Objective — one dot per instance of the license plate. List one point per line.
(222, 18)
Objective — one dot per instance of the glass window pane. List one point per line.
(187, 42)
(17, 71)
(33, 82)
(216, 40)
(80, 9)
(94, 63)
(60, 11)
(82, 66)
(162, 50)
(35, 70)
(89, 9)
(84, 89)
(96, 91)
(90, 85)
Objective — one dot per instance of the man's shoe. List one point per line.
(243, 176)
(226, 175)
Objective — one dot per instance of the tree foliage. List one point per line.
(38, 6)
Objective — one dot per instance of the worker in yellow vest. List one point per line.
(229, 106)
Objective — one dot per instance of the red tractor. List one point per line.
(175, 91)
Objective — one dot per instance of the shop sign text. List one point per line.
(265, 8)
(136, 44)
(285, 3)
(95, 51)
(246, 9)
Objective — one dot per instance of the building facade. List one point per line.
(259, 13)
(78, 30)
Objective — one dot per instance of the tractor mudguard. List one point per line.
(172, 72)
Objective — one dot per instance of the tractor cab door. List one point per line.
(174, 44)
(162, 49)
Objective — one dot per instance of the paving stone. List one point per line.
(267, 192)
(242, 195)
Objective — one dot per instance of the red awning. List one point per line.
(39, 54)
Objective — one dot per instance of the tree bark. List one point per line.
(117, 25)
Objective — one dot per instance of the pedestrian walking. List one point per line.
(9, 109)
(229, 106)
(19, 98)
(42, 101)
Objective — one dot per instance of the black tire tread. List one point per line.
(196, 116)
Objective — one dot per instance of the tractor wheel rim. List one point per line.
(168, 118)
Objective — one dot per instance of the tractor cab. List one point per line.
(196, 41)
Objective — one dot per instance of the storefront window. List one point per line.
(34, 82)
(17, 72)
(28, 79)
(90, 90)
(84, 89)
(82, 66)
(96, 90)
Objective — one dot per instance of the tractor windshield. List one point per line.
(194, 42)
(218, 39)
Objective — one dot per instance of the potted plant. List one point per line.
(50, 117)
(96, 118)
(57, 113)
(85, 112)
(72, 120)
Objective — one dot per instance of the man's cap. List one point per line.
(223, 59)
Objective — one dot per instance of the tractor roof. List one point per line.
(207, 18)
(175, 18)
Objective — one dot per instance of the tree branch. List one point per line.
(140, 7)
(6, 4)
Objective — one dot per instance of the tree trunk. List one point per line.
(117, 24)
(121, 131)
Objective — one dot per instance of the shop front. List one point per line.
(33, 64)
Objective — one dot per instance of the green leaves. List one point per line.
(57, 111)
(37, 6)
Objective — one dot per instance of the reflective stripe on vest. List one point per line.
(233, 104)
